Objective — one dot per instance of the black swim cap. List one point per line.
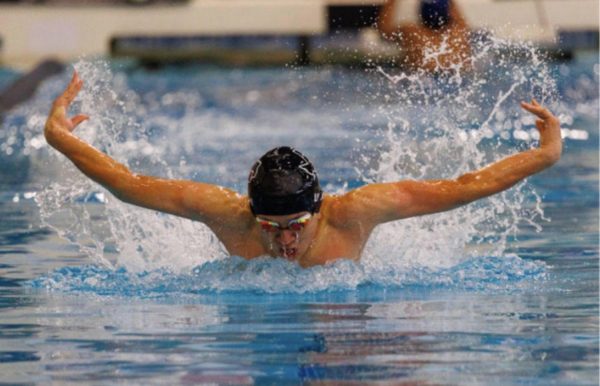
(435, 13)
(283, 181)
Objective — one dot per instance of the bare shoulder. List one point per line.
(379, 203)
(370, 204)
(215, 205)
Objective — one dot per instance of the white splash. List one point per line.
(444, 126)
(114, 233)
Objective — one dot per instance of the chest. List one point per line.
(331, 244)
(327, 244)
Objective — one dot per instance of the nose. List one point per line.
(287, 237)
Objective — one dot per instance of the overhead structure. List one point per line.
(67, 30)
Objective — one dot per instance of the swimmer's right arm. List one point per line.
(214, 205)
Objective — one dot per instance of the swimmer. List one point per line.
(286, 214)
(25, 86)
(439, 43)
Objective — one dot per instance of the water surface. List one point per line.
(504, 291)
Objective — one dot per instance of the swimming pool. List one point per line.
(504, 291)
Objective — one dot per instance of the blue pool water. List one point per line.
(503, 291)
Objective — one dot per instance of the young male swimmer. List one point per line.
(286, 214)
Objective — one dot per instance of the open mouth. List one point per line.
(288, 253)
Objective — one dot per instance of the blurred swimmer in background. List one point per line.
(438, 43)
(25, 86)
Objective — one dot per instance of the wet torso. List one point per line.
(434, 51)
(329, 242)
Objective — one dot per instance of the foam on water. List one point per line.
(506, 274)
(435, 127)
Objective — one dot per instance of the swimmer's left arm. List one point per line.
(379, 203)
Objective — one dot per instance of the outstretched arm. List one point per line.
(378, 203)
(214, 205)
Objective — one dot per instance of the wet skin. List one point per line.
(319, 242)
(286, 242)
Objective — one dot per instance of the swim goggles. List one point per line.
(295, 225)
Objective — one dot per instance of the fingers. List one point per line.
(76, 120)
(540, 125)
(67, 97)
(73, 88)
(535, 108)
(548, 126)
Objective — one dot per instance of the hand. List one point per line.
(548, 126)
(57, 118)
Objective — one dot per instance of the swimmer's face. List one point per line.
(287, 236)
